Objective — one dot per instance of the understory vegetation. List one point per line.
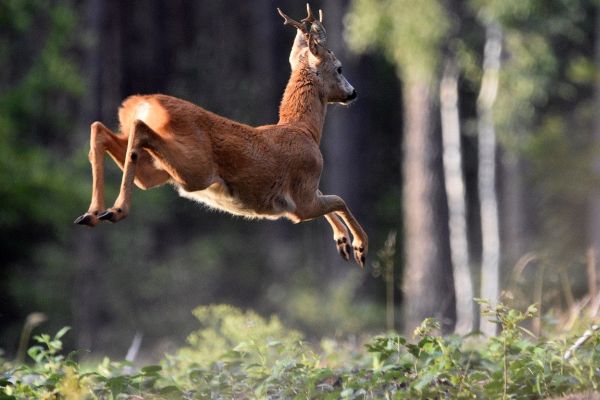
(241, 355)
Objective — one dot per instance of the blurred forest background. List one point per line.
(475, 139)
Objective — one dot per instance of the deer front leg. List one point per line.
(101, 139)
(321, 205)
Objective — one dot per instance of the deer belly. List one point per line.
(217, 196)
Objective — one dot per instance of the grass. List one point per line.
(239, 355)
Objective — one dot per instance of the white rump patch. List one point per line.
(142, 111)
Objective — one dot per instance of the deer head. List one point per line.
(310, 49)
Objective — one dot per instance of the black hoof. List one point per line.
(85, 219)
(360, 260)
(106, 216)
(343, 248)
(360, 256)
(344, 254)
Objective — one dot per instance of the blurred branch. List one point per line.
(566, 287)
(581, 341)
(520, 266)
(133, 351)
(591, 274)
(32, 320)
(384, 266)
(575, 312)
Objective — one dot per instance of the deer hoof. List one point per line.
(87, 219)
(343, 248)
(112, 215)
(107, 216)
(360, 255)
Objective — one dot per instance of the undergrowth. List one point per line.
(240, 355)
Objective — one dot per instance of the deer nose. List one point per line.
(352, 96)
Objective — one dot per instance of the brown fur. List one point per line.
(269, 171)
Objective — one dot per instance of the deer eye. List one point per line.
(339, 70)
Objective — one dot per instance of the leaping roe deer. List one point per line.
(269, 171)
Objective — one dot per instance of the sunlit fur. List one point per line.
(269, 171)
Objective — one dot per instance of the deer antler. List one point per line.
(201, 160)
(317, 30)
(301, 26)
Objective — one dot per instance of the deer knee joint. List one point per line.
(96, 125)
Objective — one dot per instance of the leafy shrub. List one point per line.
(224, 328)
(237, 354)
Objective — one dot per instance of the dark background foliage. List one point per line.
(67, 63)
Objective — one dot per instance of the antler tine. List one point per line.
(301, 26)
(317, 29)
(309, 17)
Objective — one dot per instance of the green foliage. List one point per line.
(410, 33)
(39, 181)
(239, 354)
(33, 107)
(531, 74)
(224, 327)
(339, 309)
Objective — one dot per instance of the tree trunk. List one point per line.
(428, 282)
(490, 264)
(96, 105)
(455, 190)
(340, 140)
(513, 205)
(594, 206)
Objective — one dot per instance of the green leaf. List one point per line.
(170, 391)
(151, 370)
(36, 353)
(424, 381)
(62, 332)
(117, 384)
(413, 349)
(478, 376)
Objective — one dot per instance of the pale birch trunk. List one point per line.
(490, 263)
(428, 282)
(455, 190)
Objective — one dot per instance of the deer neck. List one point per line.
(303, 103)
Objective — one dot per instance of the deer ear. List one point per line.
(315, 48)
(300, 44)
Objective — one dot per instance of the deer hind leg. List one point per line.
(340, 235)
(321, 205)
(137, 166)
(103, 140)
(360, 240)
